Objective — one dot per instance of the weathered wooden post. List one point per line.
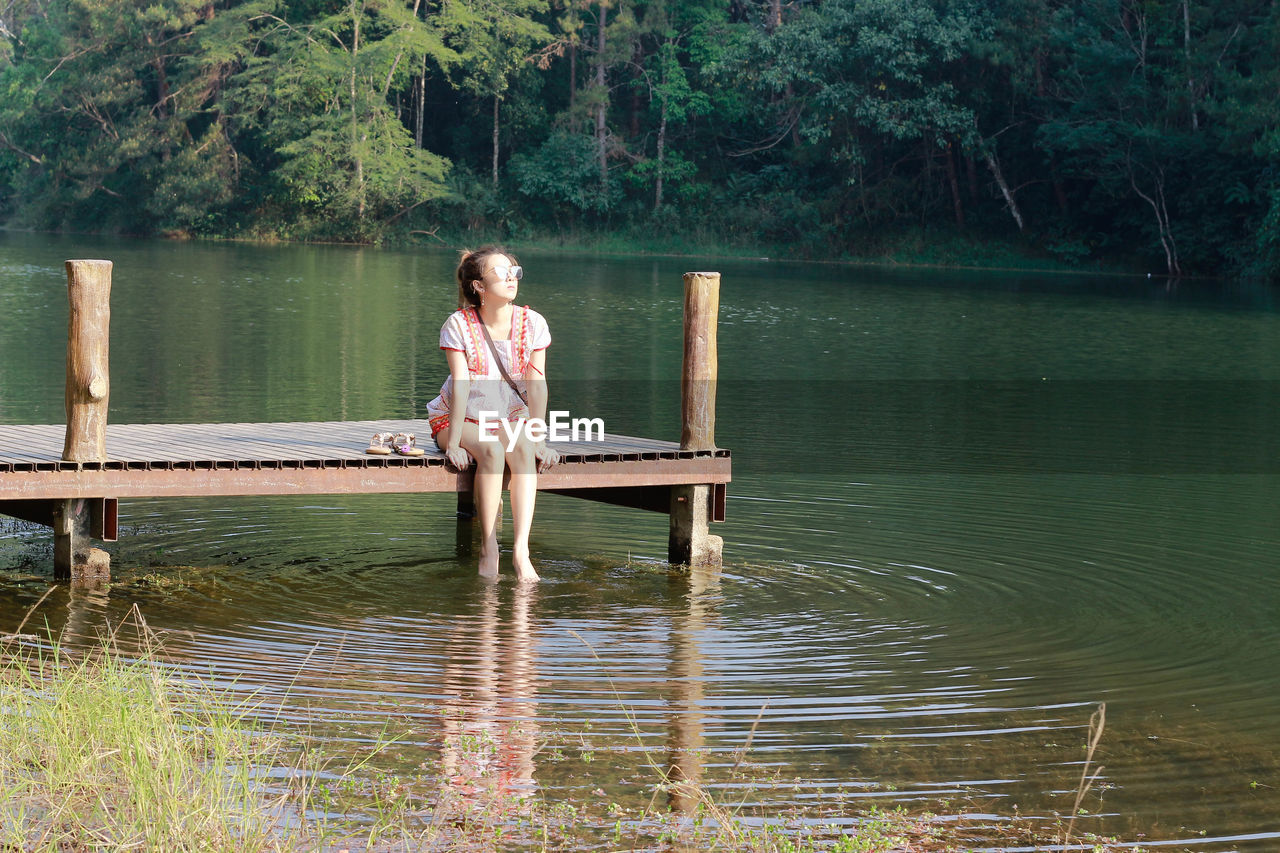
(87, 391)
(689, 542)
(88, 332)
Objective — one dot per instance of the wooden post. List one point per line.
(72, 557)
(87, 391)
(701, 361)
(88, 386)
(689, 542)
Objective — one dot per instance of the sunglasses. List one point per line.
(503, 272)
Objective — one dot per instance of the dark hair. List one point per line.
(471, 268)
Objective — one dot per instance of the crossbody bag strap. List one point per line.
(493, 348)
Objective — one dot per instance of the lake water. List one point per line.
(967, 508)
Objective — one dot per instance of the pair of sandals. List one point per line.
(402, 443)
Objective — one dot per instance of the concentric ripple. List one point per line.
(943, 659)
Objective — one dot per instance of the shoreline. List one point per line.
(605, 246)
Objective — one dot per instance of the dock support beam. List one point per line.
(688, 542)
(87, 392)
(73, 558)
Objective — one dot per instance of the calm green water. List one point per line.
(966, 508)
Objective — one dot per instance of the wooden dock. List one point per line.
(187, 460)
(71, 477)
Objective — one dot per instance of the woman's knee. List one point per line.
(521, 458)
(488, 455)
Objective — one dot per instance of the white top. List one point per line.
(489, 391)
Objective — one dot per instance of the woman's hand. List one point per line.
(545, 455)
(458, 457)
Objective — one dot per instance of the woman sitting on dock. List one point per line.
(497, 368)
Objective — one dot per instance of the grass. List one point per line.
(109, 749)
(98, 751)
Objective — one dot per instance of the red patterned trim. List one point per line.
(520, 335)
(521, 342)
(477, 362)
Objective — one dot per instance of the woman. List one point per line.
(488, 323)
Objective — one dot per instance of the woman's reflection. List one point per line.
(490, 682)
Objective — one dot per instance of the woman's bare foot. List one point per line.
(524, 568)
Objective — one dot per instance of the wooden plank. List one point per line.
(31, 443)
(164, 442)
(285, 458)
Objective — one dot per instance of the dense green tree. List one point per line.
(320, 101)
(667, 79)
(857, 96)
(96, 112)
(1131, 130)
(494, 39)
(1137, 120)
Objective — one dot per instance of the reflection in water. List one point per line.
(686, 687)
(489, 727)
(86, 599)
(860, 697)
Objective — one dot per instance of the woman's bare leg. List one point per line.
(524, 492)
(488, 489)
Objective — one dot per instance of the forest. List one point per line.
(1139, 134)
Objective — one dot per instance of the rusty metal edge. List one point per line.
(404, 475)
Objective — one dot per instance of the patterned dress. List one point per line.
(490, 393)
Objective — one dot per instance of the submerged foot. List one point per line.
(524, 568)
(489, 562)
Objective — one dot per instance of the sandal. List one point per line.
(405, 444)
(380, 444)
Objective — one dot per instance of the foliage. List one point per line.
(559, 176)
(343, 159)
(1135, 131)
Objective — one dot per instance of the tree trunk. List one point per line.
(573, 76)
(795, 125)
(602, 105)
(162, 89)
(662, 147)
(88, 378)
(1059, 192)
(994, 166)
(633, 120)
(495, 142)
(1186, 51)
(928, 153)
(355, 149)
(1161, 211)
(355, 118)
(422, 103)
(954, 183)
(701, 361)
